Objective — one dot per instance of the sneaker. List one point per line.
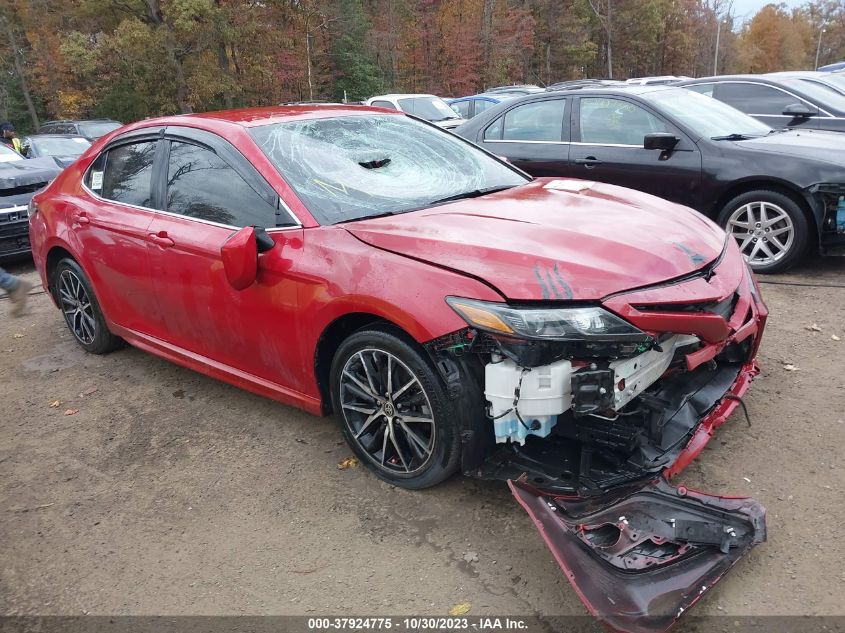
(19, 297)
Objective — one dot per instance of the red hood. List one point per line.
(535, 243)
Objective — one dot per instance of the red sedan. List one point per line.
(580, 340)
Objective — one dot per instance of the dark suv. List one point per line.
(91, 129)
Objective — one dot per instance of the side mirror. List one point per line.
(240, 255)
(663, 141)
(798, 111)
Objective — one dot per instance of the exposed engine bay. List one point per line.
(586, 424)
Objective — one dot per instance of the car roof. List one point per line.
(222, 120)
(56, 136)
(403, 95)
(80, 121)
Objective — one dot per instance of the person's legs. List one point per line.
(18, 290)
(8, 282)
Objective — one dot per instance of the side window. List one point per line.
(126, 175)
(704, 89)
(754, 98)
(616, 122)
(202, 185)
(494, 130)
(482, 104)
(461, 107)
(383, 104)
(538, 121)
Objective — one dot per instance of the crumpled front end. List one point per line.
(595, 407)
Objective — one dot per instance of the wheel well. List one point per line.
(56, 254)
(331, 338)
(752, 185)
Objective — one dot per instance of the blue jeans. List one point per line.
(8, 282)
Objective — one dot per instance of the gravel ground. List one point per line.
(170, 493)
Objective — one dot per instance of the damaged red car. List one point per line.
(580, 340)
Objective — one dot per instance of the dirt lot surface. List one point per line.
(170, 493)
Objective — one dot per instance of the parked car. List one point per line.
(428, 107)
(90, 129)
(20, 179)
(776, 193)
(655, 81)
(468, 107)
(518, 89)
(575, 84)
(834, 81)
(449, 310)
(779, 102)
(64, 148)
(832, 68)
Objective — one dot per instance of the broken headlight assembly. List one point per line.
(547, 324)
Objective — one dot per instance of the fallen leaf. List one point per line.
(89, 391)
(790, 367)
(349, 462)
(471, 557)
(747, 479)
(55, 404)
(834, 337)
(18, 335)
(71, 411)
(813, 328)
(462, 608)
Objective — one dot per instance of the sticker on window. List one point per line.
(96, 180)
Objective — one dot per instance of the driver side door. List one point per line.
(209, 191)
(607, 146)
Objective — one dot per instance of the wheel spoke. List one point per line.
(359, 409)
(745, 243)
(367, 373)
(367, 424)
(415, 418)
(396, 447)
(364, 388)
(401, 391)
(766, 250)
(389, 375)
(414, 441)
(384, 444)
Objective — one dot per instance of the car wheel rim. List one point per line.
(77, 307)
(764, 231)
(387, 411)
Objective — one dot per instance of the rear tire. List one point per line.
(770, 228)
(393, 409)
(78, 303)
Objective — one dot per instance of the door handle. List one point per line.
(161, 239)
(589, 162)
(81, 219)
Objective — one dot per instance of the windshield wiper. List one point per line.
(475, 193)
(736, 136)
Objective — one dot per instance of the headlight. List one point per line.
(546, 324)
(31, 209)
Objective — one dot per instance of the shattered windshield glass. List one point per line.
(354, 167)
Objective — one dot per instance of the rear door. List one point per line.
(109, 229)
(209, 191)
(607, 146)
(534, 136)
(640, 556)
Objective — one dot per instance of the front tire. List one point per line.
(82, 313)
(770, 228)
(393, 409)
